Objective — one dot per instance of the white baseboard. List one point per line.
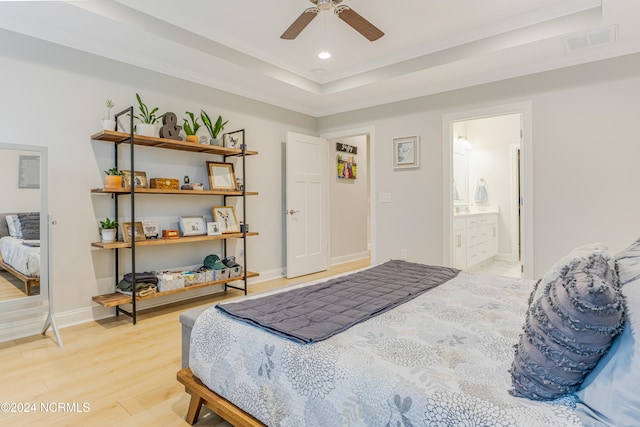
(33, 326)
(22, 328)
(348, 258)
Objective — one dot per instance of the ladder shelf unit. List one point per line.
(117, 299)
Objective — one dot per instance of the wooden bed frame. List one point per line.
(201, 395)
(29, 282)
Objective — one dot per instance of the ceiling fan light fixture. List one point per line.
(324, 54)
(324, 4)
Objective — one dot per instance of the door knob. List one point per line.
(291, 212)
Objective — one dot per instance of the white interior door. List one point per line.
(306, 204)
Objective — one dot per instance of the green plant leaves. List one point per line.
(107, 224)
(191, 128)
(214, 129)
(146, 116)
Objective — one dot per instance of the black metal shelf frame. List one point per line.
(131, 141)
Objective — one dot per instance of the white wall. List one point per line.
(491, 138)
(584, 159)
(349, 204)
(56, 98)
(15, 199)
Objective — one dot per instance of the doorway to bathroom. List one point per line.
(487, 202)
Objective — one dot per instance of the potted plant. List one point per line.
(191, 128)
(213, 128)
(108, 230)
(108, 124)
(148, 119)
(113, 179)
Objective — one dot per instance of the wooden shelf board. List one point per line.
(155, 242)
(117, 298)
(160, 191)
(171, 144)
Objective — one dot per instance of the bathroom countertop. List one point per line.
(478, 211)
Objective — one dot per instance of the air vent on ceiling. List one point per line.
(591, 39)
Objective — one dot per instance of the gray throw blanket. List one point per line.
(316, 312)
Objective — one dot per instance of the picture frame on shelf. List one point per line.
(137, 230)
(192, 225)
(151, 229)
(234, 139)
(406, 153)
(213, 229)
(139, 179)
(221, 176)
(226, 216)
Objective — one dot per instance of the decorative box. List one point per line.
(170, 234)
(189, 278)
(208, 275)
(235, 271)
(200, 277)
(165, 183)
(221, 274)
(169, 280)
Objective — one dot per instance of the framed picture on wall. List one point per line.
(406, 152)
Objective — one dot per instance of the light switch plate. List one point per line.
(384, 197)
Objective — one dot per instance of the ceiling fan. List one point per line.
(348, 15)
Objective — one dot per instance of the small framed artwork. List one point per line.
(137, 230)
(151, 229)
(234, 139)
(221, 176)
(226, 216)
(213, 229)
(193, 225)
(406, 152)
(139, 179)
(347, 167)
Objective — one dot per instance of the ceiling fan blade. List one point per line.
(300, 24)
(358, 23)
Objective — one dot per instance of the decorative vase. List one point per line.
(108, 124)
(145, 129)
(215, 141)
(192, 138)
(108, 235)
(113, 181)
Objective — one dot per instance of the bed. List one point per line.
(20, 257)
(442, 358)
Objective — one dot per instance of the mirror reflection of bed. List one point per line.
(19, 242)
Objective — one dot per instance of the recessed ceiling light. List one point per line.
(324, 55)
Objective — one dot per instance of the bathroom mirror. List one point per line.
(460, 179)
(24, 241)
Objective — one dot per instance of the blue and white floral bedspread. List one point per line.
(441, 359)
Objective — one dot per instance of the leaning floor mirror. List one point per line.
(25, 286)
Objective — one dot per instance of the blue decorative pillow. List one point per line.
(30, 225)
(580, 253)
(609, 394)
(568, 329)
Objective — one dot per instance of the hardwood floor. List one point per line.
(10, 287)
(109, 372)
